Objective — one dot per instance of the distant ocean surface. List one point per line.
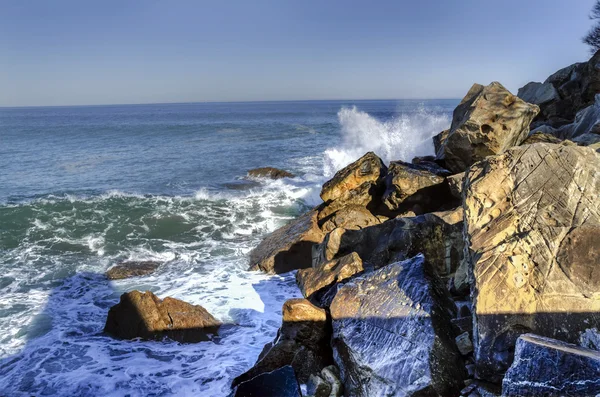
(82, 188)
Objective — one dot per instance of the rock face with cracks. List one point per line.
(392, 334)
(532, 223)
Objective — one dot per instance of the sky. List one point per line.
(116, 52)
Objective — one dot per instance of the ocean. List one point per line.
(82, 188)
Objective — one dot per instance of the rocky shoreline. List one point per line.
(473, 272)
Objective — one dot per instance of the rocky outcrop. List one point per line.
(488, 121)
(547, 367)
(129, 269)
(437, 235)
(288, 248)
(317, 280)
(368, 169)
(532, 223)
(418, 188)
(392, 334)
(302, 343)
(540, 137)
(144, 315)
(270, 173)
(349, 217)
(280, 382)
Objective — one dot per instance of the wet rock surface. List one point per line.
(130, 269)
(280, 383)
(269, 172)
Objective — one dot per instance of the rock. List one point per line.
(269, 172)
(411, 187)
(464, 344)
(367, 195)
(144, 315)
(437, 235)
(438, 143)
(316, 280)
(548, 367)
(318, 387)
(540, 137)
(349, 217)
(532, 226)
(368, 168)
(278, 383)
(488, 121)
(538, 93)
(588, 139)
(302, 342)
(332, 375)
(455, 184)
(586, 121)
(129, 269)
(289, 247)
(392, 334)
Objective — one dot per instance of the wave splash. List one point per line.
(401, 138)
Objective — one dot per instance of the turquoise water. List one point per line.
(82, 188)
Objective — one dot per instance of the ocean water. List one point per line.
(82, 188)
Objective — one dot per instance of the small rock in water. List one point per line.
(129, 269)
(144, 315)
(270, 172)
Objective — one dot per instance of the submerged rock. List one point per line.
(548, 367)
(270, 172)
(289, 247)
(532, 223)
(129, 269)
(302, 343)
(488, 121)
(144, 315)
(278, 383)
(392, 334)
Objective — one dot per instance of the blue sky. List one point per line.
(106, 52)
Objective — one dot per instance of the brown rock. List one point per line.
(366, 195)
(488, 121)
(129, 269)
(368, 168)
(540, 137)
(455, 184)
(289, 247)
(269, 172)
(144, 315)
(349, 217)
(314, 280)
(532, 223)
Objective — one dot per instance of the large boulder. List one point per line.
(281, 382)
(367, 169)
(532, 226)
(437, 235)
(289, 247)
(538, 93)
(349, 217)
(548, 367)
(488, 121)
(270, 173)
(144, 315)
(302, 343)
(392, 334)
(127, 269)
(317, 280)
(415, 187)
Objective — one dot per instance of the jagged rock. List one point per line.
(368, 168)
(315, 280)
(479, 388)
(392, 334)
(532, 225)
(289, 247)
(280, 383)
(437, 235)
(438, 143)
(349, 217)
(270, 172)
(318, 387)
(129, 269)
(488, 121)
(548, 367)
(332, 375)
(540, 137)
(367, 195)
(586, 121)
(302, 342)
(412, 187)
(538, 93)
(464, 344)
(455, 184)
(144, 315)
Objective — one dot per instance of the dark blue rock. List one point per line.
(548, 367)
(279, 383)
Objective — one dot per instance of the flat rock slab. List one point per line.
(548, 367)
(392, 334)
(130, 269)
(269, 172)
(279, 383)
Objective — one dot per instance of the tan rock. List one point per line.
(129, 269)
(532, 226)
(289, 247)
(366, 195)
(540, 137)
(488, 121)
(144, 315)
(350, 217)
(455, 184)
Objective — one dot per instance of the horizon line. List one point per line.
(218, 102)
